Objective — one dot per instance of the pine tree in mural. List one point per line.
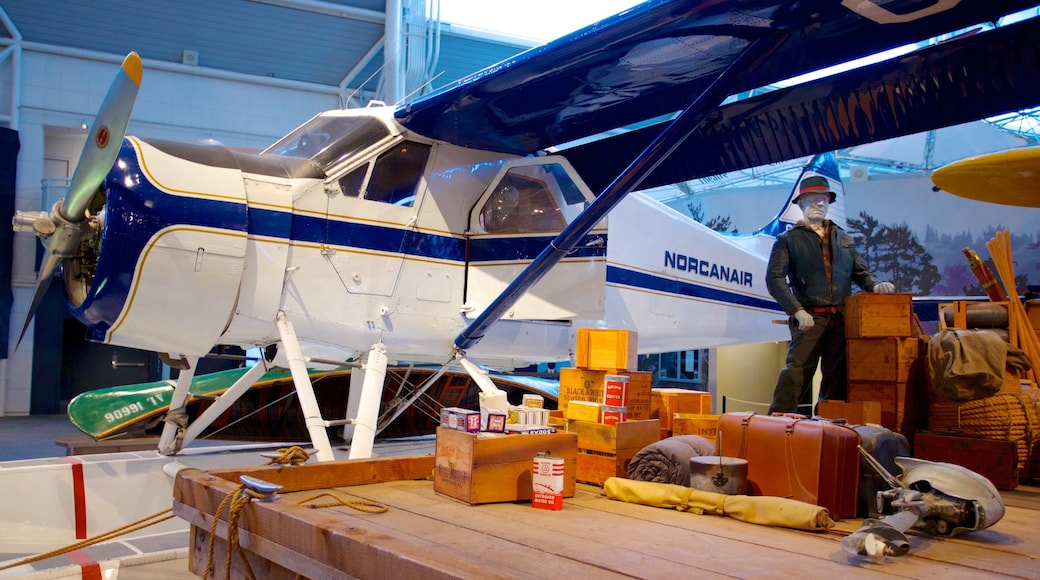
(894, 254)
(717, 223)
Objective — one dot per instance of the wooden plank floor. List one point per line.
(595, 537)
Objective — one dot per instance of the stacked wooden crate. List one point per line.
(666, 404)
(609, 434)
(885, 359)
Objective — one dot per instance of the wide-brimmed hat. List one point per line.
(815, 184)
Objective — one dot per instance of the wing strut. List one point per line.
(655, 153)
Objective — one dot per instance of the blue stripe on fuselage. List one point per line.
(644, 281)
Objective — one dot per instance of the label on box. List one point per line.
(613, 415)
(615, 390)
(534, 401)
(529, 429)
(496, 422)
(547, 482)
(460, 419)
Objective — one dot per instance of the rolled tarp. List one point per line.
(762, 510)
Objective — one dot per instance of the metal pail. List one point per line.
(726, 475)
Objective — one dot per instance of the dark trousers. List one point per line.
(826, 341)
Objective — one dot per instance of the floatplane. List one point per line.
(469, 228)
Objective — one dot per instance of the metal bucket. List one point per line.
(726, 475)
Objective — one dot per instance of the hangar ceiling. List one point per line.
(324, 42)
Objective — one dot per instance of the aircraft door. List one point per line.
(372, 209)
(527, 205)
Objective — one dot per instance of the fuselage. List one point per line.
(360, 232)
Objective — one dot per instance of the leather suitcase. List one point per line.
(994, 459)
(811, 461)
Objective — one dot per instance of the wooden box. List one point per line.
(606, 350)
(605, 451)
(901, 405)
(996, 460)
(704, 425)
(884, 359)
(666, 402)
(854, 413)
(878, 315)
(488, 468)
(577, 384)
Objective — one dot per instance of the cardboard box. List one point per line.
(878, 315)
(666, 402)
(605, 450)
(704, 425)
(884, 359)
(854, 413)
(488, 468)
(578, 384)
(606, 350)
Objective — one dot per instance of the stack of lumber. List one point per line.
(1022, 334)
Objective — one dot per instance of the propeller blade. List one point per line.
(106, 135)
(50, 262)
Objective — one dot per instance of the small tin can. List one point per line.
(547, 482)
(615, 390)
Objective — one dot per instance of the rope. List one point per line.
(361, 505)
(128, 528)
(294, 455)
(235, 502)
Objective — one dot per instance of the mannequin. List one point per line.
(810, 274)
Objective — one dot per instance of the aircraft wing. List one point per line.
(656, 58)
(958, 81)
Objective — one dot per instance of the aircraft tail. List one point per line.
(825, 165)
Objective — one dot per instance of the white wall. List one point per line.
(745, 375)
(60, 91)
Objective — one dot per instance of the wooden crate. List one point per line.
(605, 451)
(854, 413)
(901, 403)
(488, 468)
(884, 359)
(878, 315)
(577, 384)
(666, 402)
(994, 459)
(607, 349)
(704, 425)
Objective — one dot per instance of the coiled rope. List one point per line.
(234, 502)
(294, 455)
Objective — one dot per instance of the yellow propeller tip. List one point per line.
(133, 67)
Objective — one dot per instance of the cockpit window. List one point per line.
(328, 140)
(396, 174)
(527, 199)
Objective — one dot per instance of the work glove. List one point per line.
(884, 288)
(805, 320)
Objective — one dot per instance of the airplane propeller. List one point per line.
(67, 225)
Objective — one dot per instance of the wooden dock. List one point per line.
(423, 534)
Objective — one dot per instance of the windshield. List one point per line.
(327, 140)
